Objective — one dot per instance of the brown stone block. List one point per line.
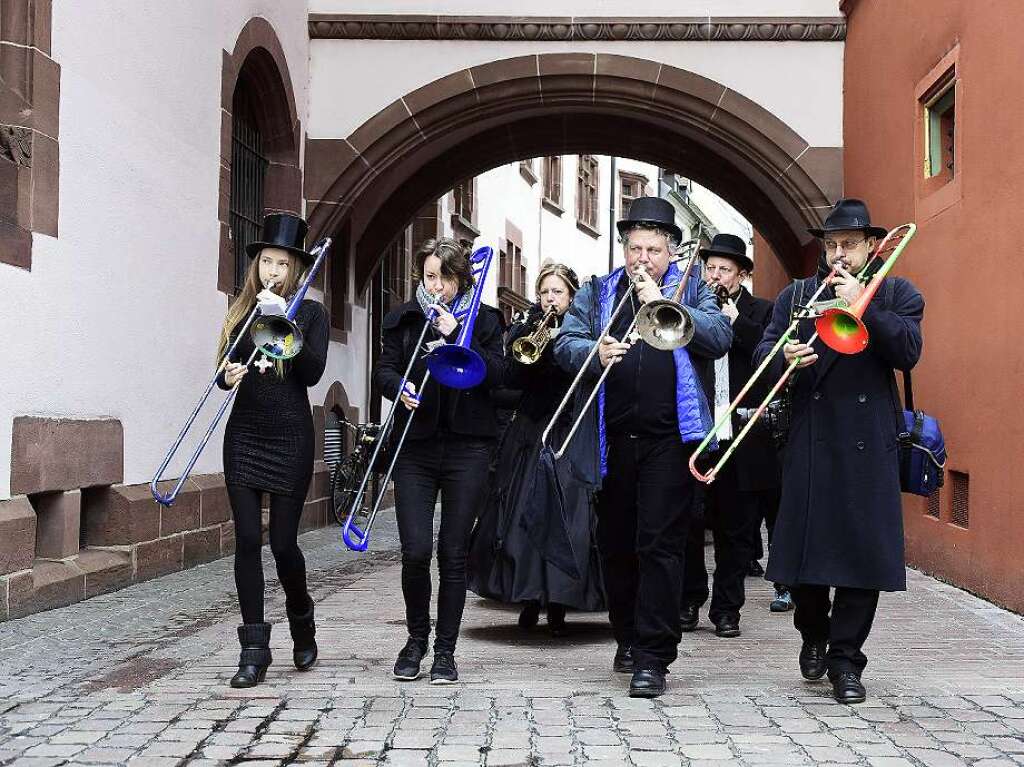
(159, 557)
(54, 584)
(201, 546)
(9, 191)
(319, 424)
(313, 515)
(320, 484)
(226, 261)
(384, 136)
(497, 72)
(45, 181)
(283, 189)
(17, 535)
(17, 24)
(214, 506)
(120, 515)
(42, 25)
(15, 590)
(227, 539)
(437, 118)
(567, 64)
(224, 194)
(105, 570)
(58, 523)
(45, 94)
(226, 139)
(64, 454)
(325, 161)
(390, 118)
(824, 165)
(758, 124)
(447, 87)
(15, 245)
(14, 109)
(184, 514)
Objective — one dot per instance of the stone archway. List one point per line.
(373, 182)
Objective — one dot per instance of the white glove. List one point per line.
(271, 304)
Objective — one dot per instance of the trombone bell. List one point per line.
(665, 325)
(277, 337)
(842, 330)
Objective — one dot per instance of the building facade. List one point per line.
(129, 185)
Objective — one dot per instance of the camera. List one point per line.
(777, 416)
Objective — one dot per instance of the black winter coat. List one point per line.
(471, 412)
(756, 461)
(840, 521)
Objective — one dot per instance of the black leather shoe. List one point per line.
(255, 656)
(755, 570)
(727, 627)
(556, 619)
(444, 670)
(528, 615)
(846, 688)
(303, 631)
(623, 663)
(647, 683)
(689, 617)
(407, 667)
(812, 660)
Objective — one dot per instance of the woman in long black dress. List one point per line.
(448, 450)
(506, 562)
(268, 446)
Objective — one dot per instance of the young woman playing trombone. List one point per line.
(268, 444)
(448, 447)
(505, 561)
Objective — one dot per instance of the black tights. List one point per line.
(285, 513)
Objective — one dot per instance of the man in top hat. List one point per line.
(635, 444)
(749, 481)
(840, 522)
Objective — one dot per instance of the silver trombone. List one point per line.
(665, 324)
(275, 336)
(454, 365)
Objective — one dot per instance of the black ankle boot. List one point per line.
(255, 658)
(303, 638)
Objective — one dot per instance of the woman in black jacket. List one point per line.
(506, 562)
(448, 449)
(268, 446)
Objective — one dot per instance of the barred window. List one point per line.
(248, 175)
(553, 179)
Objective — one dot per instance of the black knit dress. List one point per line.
(268, 442)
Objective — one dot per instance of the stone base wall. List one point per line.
(59, 547)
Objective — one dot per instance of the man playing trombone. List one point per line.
(633, 444)
(840, 522)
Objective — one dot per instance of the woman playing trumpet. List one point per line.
(448, 449)
(505, 564)
(268, 445)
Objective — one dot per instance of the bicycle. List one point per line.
(349, 472)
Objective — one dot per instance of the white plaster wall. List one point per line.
(801, 83)
(119, 315)
(589, 8)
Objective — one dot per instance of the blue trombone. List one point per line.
(277, 336)
(454, 365)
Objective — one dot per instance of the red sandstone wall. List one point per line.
(963, 259)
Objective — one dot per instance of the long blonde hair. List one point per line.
(246, 300)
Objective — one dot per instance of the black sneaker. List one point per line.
(407, 667)
(444, 670)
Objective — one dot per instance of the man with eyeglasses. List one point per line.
(840, 522)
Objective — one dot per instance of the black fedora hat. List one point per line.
(650, 210)
(728, 246)
(282, 230)
(849, 213)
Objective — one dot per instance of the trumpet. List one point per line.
(528, 349)
(839, 326)
(664, 324)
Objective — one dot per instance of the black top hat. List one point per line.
(728, 246)
(849, 213)
(282, 230)
(651, 210)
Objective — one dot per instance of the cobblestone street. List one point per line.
(139, 677)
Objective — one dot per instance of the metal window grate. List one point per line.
(960, 515)
(933, 504)
(248, 173)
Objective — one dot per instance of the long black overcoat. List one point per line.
(840, 521)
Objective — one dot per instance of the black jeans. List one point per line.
(285, 513)
(457, 467)
(644, 511)
(767, 511)
(730, 514)
(845, 629)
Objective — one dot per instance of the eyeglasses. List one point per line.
(831, 245)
